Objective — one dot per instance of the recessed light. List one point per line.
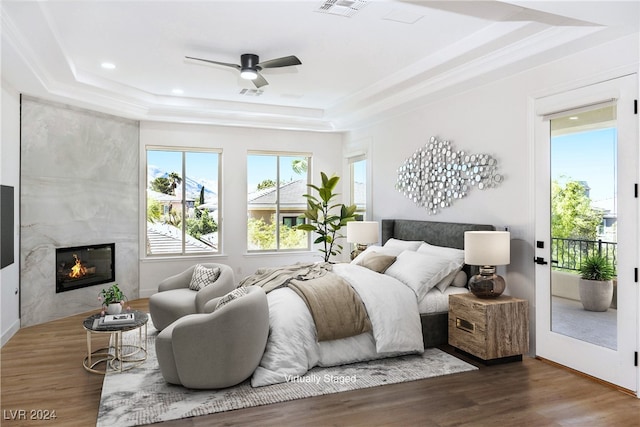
(177, 91)
(573, 118)
(108, 65)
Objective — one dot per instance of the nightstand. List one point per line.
(493, 329)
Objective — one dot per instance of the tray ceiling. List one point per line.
(357, 66)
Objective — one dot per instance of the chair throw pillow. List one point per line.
(233, 295)
(203, 276)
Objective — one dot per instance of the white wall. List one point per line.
(235, 142)
(493, 119)
(10, 175)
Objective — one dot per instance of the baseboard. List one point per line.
(15, 327)
(146, 293)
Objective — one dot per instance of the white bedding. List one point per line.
(437, 301)
(292, 348)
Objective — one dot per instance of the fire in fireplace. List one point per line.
(82, 266)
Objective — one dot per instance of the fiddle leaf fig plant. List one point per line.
(326, 218)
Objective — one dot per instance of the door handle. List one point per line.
(540, 261)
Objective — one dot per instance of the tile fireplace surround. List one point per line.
(79, 174)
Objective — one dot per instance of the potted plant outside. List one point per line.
(596, 283)
(324, 218)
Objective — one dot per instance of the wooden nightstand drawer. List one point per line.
(489, 328)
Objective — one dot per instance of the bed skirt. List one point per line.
(435, 329)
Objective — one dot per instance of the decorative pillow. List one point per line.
(374, 248)
(421, 271)
(233, 295)
(377, 262)
(402, 245)
(203, 276)
(460, 280)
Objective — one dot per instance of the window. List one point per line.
(182, 201)
(358, 183)
(276, 185)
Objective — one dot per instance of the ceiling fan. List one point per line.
(250, 66)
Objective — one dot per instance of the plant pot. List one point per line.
(595, 295)
(114, 308)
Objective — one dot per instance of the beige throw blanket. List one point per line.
(337, 310)
(271, 278)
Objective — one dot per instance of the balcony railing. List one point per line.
(567, 254)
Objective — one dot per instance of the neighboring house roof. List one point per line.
(166, 198)
(608, 206)
(166, 239)
(290, 196)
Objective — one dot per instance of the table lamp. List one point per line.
(486, 249)
(361, 233)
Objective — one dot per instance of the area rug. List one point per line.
(141, 396)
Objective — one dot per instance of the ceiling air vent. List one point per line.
(346, 8)
(251, 92)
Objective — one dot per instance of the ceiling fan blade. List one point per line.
(260, 81)
(285, 61)
(226, 64)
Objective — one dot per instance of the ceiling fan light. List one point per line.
(249, 74)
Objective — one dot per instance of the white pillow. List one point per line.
(402, 245)
(421, 271)
(460, 280)
(448, 280)
(453, 254)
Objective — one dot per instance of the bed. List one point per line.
(447, 234)
(391, 283)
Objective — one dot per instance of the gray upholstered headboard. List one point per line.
(447, 234)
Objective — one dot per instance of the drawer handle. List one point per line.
(465, 325)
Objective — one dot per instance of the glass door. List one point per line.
(586, 216)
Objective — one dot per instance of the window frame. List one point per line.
(351, 161)
(279, 215)
(184, 151)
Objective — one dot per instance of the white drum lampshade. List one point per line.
(487, 249)
(361, 233)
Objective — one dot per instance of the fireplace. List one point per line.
(82, 266)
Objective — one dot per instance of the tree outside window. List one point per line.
(276, 185)
(182, 201)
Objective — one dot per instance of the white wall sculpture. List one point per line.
(437, 174)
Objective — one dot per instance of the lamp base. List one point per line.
(487, 284)
(358, 250)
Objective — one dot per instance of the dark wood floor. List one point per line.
(42, 371)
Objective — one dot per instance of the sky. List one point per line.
(261, 167)
(204, 165)
(587, 156)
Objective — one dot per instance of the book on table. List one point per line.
(118, 319)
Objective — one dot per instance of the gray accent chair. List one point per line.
(174, 299)
(218, 349)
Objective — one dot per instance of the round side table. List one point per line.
(118, 356)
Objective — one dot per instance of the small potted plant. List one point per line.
(596, 283)
(112, 298)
